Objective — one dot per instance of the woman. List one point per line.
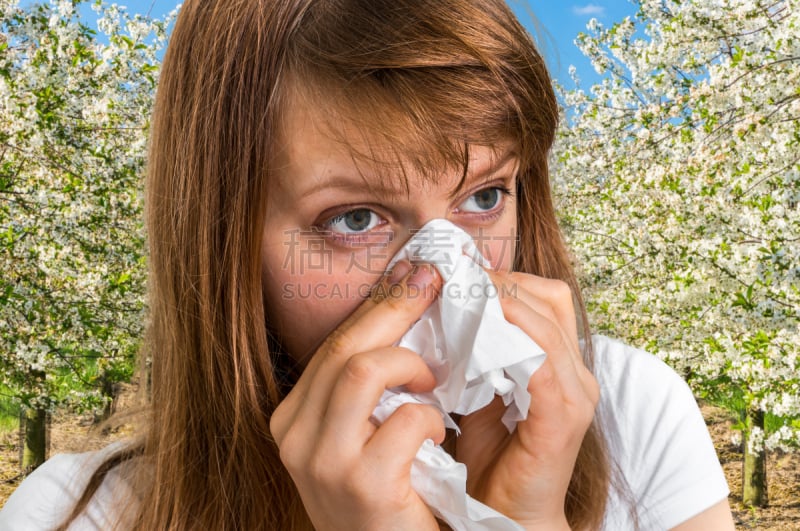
(296, 145)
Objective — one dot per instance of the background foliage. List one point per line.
(74, 107)
(678, 178)
(679, 182)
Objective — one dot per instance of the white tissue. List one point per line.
(475, 354)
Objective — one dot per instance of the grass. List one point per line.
(9, 415)
(736, 407)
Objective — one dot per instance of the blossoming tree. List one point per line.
(679, 178)
(73, 109)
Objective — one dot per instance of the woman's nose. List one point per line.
(426, 210)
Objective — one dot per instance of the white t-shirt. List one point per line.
(658, 439)
(655, 432)
(46, 497)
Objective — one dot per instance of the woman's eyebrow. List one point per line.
(354, 183)
(495, 163)
(391, 187)
(485, 174)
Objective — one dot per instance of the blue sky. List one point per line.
(561, 20)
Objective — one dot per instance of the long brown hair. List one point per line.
(443, 74)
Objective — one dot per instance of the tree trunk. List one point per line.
(34, 450)
(110, 390)
(754, 471)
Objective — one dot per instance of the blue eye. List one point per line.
(354, 221)
(483, 200)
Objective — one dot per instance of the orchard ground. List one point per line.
(71, 433)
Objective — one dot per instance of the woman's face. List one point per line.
(333, 225)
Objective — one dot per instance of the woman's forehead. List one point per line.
(319, 144)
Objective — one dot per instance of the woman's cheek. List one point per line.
(307, 304)
(498, 248)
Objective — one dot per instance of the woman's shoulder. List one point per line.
(46, 497)
(633, 381)
(640, 392)
(656, 435)
(616, 361)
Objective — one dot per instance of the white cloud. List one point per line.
(589, 9)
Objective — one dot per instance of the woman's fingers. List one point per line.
(398, 439)
(345, 467)
(537, 319)
(380, 321)
(551, 300)
(549, 297)
(363, 379)
(389, 314)
(401, 270)
(528, 477)
(550, 337)
(543, 309)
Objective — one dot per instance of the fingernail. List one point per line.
(399, 271)
(421, 277)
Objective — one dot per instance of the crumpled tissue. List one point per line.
(475, 354)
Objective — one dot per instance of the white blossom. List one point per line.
(678, 179)
(74, 112)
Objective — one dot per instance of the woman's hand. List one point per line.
(350, 473)
(525, 475)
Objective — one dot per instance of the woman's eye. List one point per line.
(483, 200)
(354, 221)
